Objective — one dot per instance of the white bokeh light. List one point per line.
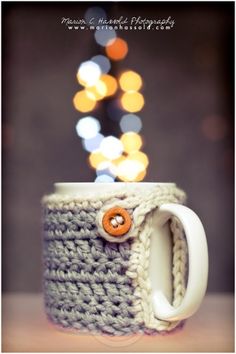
(88, 127)
(103, 62)
(129, 169)
(130, 122)
(104, 179)
(92, 144)
(111, 147)
(104, 35)
(106, 167)
(89, 73)
(94, 14)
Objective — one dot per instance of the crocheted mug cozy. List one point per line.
(96, 281)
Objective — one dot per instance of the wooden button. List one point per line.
(116, 221)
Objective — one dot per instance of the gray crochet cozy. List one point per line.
(94, 283)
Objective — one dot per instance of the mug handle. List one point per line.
(198, 266)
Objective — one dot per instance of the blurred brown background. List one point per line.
(187, 120)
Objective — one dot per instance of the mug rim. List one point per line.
(113, 183)
(81, 187)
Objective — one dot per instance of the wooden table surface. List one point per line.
(25, 329)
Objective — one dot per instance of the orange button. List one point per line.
(116, 221)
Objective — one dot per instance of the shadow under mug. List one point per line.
(162, 261)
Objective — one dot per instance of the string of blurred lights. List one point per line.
(112, 158)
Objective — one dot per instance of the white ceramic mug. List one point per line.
(160, 271)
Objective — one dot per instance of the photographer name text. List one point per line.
(121, 23)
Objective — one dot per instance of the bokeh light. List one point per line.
(140, 176)
(98, 91)
(132, 101)
(117, 49)
(111, 147)
(103, 62)
(110, 157)
(92, 143)
(130, 81)
(129, 170)
(117, 161)
(106, 167)
(88, 73)
(139, 156)
(104, 178)
(130, 122)
(96, 158)
(84, 102)
(88, 127)
(104, 36)
(110, 84)
(131, 142)
(94, 14)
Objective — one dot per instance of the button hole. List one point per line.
(120, 219)
(113, 222)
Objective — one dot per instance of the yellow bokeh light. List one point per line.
(117, 161)
(96, 158)
(110, 84)
(130, 81)
(83, 102)
(117, 49)
(98, 91)
(124, 179)
(132, 101)
(139, 156)
(131, 142)
(140, 176)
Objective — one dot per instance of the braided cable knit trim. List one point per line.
(139, 267)
(56, 200)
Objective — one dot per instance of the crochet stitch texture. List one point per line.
(95, 282)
